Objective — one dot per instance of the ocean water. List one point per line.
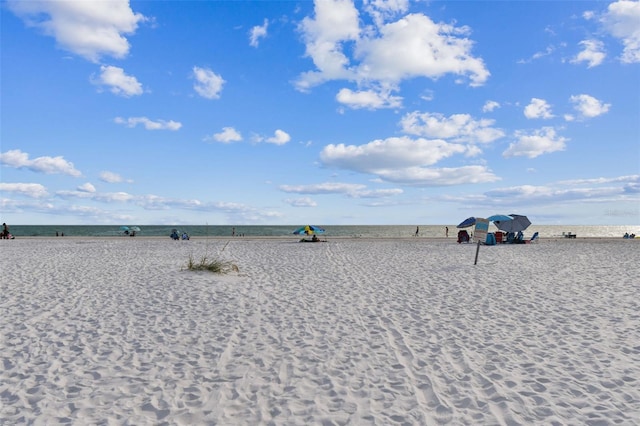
(357, 231)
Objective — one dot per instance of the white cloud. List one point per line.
(208, 84)
(593, 53)
(324, 188)
(548, 51)
(404, 160)
(423, 176)
(352, 190)
(538, 108)
(335, 22)
(392, 153)
(490, 106)
(301, 202)
(258, 32)
(457, 127)
(90, 29)
(49, 165)
(149, 124)
(369, 99)
(279, 138)
(110, 177)
(87, 187)
(382, 10)
(622, 21)
(591, 190)
(588, 106)
(119, 83)
(228, 135)
(381, 57)
(33, 190)
(415, 46)
(542, 141)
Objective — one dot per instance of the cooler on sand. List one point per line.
(491, 239)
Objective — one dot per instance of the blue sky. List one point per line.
(326, 112)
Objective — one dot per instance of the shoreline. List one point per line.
(294, 238)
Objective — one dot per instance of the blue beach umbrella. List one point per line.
(470, 221)
(308, 230)
(516, 223)
(499, 218)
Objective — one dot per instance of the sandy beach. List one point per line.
(349, 331)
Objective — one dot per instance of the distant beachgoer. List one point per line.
(5, 231)
(446, 231)
(417, 231)
(233, 232)
(57, 234)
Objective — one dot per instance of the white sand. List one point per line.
(384, 332)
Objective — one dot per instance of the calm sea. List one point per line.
(359, 231)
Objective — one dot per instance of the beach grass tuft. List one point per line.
(214, 265)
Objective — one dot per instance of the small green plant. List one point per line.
(212, 265)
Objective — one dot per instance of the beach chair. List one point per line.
(534, 238)
(499, 236)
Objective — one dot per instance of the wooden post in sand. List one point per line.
(477, 251)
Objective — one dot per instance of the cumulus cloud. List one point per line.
(621, 21)
(279, 138)
(490, 106)
(258, 32)
(208, 84)
(228, 135)
(391, 153)
(378, 58)
(33, 190)
(429, 50)
(541, 141)
(49, 165)
(149, 124)
(457, 127)
(592, 53)
(538, 108)
(588, 106)
(90, 29)
(335, 22)
(369, 99)
(405, 160)
(119, 83)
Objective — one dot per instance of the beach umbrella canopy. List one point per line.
(135, 228)
(124, 228)
(470, 221)
(308, 230)
(498, 218)
(516, 224)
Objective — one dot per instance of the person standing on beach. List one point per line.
(446, 231)
(5, 231)
(417, 231)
